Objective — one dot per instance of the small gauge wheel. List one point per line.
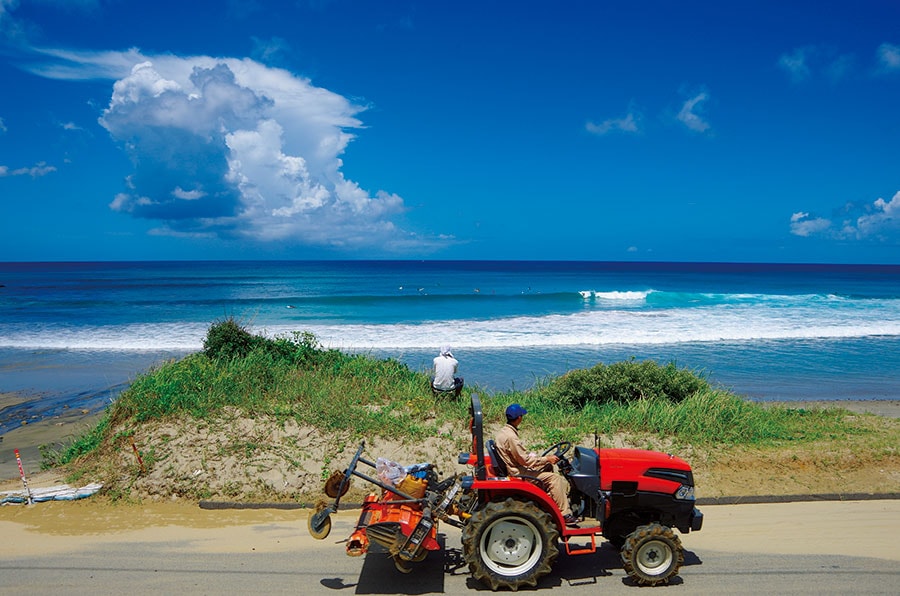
(324, 529)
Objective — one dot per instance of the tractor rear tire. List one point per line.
(510, 544)
(652, 555)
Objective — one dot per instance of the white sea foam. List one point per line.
(609, 327)
(615, 295)
(622, 295)
(138, 336)
(723, 322)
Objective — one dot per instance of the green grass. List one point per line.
(82, 445)
(705, 418)
(360, 396)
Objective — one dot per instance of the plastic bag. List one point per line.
(419, 470)
(390, 472)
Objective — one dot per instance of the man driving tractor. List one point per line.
(519, 462)
(512, 522)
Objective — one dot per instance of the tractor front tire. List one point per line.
(510, 544)
(617, 529)
(652, 555)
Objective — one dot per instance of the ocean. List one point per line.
(72, 335)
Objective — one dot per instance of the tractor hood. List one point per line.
(652, 470)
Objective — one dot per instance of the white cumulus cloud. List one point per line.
(691, 114)
(233, 148)
(35, 171)
(628, 123)
(811, 61)
(796, 63)
(804, 225)
(882, 217)
(879, 220)
(889, 57)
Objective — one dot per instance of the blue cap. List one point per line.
(514, 411)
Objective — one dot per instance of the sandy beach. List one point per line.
(28, 439)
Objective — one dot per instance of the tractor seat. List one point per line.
(496, 461)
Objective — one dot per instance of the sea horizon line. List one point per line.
(745, 265)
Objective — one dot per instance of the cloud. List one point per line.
(269, 51)
(806, 62)
(10, 28)
(882, 218)
(35, 171)
(797, 63)
(236, 149)
(889, 57)
(6, 6)
(627, 124)
(690, 114)
(187, 195)
(16, 30)
(2, 126)
(804, 225)
(68, 65)
(879, 220)
(839, 68)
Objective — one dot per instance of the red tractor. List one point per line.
(510, 525)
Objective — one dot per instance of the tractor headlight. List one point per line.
(685, 493)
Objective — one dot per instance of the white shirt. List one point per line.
(445, 371)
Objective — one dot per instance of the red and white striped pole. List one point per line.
(22, 474)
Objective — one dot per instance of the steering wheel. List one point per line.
(560, 449)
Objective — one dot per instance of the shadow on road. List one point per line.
(380, 576)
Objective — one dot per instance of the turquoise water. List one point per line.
(71, 334)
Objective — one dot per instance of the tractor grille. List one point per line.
(682, 476)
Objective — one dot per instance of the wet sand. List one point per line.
(71, 524)
(28, 438)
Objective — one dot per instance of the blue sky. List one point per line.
(653, 131)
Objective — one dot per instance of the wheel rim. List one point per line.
(324, 529)
(511, 547)
(654, 557)
(402, 566)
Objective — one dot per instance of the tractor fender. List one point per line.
(496, 489)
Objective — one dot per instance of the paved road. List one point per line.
(803, 548)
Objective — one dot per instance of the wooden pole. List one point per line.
(138, 456)
(24, 481)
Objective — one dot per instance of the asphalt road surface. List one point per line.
(783, 548)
